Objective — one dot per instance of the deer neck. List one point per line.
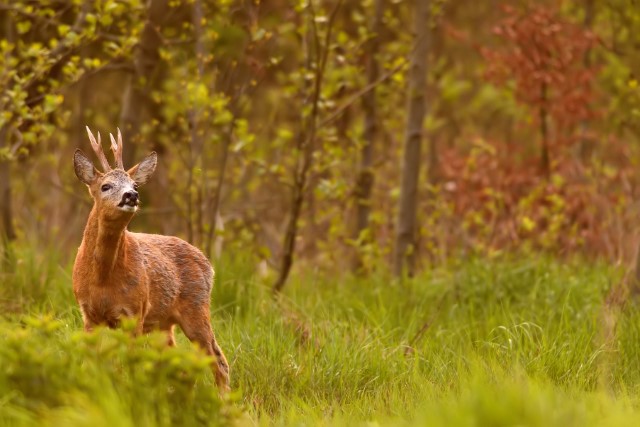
(106, 242)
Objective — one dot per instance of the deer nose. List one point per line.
(132, 195)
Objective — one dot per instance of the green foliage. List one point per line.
(513, 340)
(618, 77)
(51, 375)
(40, 55)
(225, 99)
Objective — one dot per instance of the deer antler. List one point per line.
(97, 148)
(116, 147)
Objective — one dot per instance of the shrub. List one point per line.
(51, 375)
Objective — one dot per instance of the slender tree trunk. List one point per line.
(189, 200)
(365, 178)
(145, 64)
(404, 254)
(306, 148)
(7, 232)
(436, 48)
(222, 168)
(78, 132)
(196, 146)
(137, 104)
(194, 205)
(544, 133)
(589, 12)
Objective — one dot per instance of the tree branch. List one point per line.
(307, 145)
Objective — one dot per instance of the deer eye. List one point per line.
(106, 187)
(135, 187)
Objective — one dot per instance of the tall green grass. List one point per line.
(514, 341)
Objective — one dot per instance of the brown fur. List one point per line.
(160, 280)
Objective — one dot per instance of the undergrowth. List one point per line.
(512, 341)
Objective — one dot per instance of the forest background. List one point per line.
(411, 166)
(281, 122)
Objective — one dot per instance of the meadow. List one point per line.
(524, 340)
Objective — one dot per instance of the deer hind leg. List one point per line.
(171, 340)
(198, 329)
(221, 368)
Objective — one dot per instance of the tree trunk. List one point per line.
(222, 168)
(195, 231)
(544, 133)
(78, 132)
(137, 104)
(306, 148)
(365, 178)
(197, 124)
(7, 232)
(404, 254)
(145, 64)
(584, 146)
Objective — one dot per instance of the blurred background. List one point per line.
(347, 135)
(325, 149)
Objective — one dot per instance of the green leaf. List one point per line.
(23, 27)
(63, 29)
(52, 102)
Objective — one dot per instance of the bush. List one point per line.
(51, 375)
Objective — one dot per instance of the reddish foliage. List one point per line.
(582, 203)
(583, 208)
(545, 55)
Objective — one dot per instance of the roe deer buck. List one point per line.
(160, 280)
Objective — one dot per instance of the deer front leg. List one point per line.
(171, 340)
(88, 324)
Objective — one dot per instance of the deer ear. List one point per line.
(85, 171)
(141, 172)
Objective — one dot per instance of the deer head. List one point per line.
(114, 191)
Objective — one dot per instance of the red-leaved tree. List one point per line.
(543, 55)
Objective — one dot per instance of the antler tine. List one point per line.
(97, 148)
(116, 147)
(121, 148)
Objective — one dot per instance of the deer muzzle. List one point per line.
(130, 198)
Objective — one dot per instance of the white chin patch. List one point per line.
(128, 208)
